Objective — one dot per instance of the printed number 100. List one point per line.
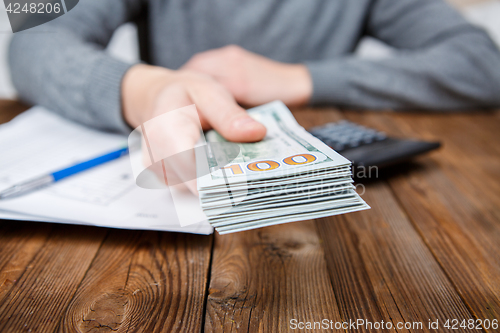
(268, 165)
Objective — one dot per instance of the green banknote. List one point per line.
(286, 150)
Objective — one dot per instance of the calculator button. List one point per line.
(354, 143)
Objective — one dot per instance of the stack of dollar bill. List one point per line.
(289, 176)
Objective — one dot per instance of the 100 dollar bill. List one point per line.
(286, 150)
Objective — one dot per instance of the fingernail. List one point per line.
(243, 122)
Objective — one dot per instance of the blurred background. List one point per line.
(124, 45)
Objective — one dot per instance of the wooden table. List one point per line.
(429, 249)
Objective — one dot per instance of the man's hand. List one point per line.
(253, 79)
(151, 92)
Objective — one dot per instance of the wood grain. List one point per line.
(143, 282)
(10, 108)
(309, 117)
(19, 243)
(381, 270)
(19, 240)
(39, 296)
(428, 249)
(453, 199)
(38, 270)
(262, 279)
(140, 281)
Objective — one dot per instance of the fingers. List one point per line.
(226, 65)
(220, 109)
(217, 62)
(172, 137)
(174, 126)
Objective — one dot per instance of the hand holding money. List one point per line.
(150, 91)
(151, 97)
(288, 176)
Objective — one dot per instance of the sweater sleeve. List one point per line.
(441, 62)
(62, 64)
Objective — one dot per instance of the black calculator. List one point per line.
(368, 147)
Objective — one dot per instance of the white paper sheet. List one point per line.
(38, 142)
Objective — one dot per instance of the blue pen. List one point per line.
(38, 182)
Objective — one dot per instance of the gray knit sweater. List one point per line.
(442, 62)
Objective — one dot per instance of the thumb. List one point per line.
(221, 111)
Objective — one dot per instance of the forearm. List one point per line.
(62, 64)
(69, 78)
(462, 72)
